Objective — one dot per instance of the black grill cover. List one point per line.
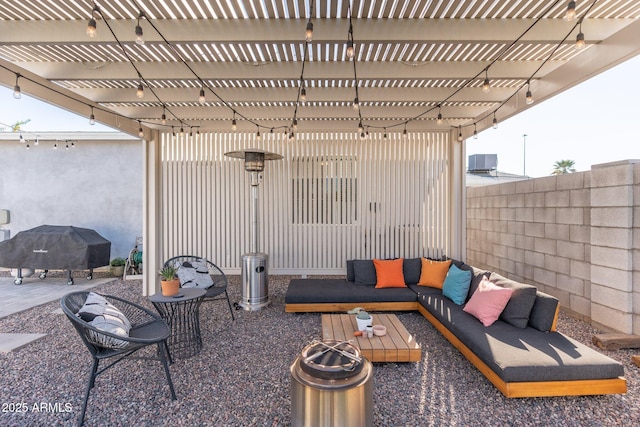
(54, 247)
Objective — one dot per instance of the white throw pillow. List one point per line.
(103, 315)
(195, 274)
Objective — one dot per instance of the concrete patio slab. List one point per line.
(34, 292)
(13, 342)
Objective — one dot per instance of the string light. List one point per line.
(459, 133)
(360, 127)
(486, 86)
(529, 96)
(475, 132)
(351, 52)
(404, 132)
(308, 35)
(439, 118)
(494, 124)
(92, 118)
(140, 91)
(258, 137)
(17, 93)
(303, 93)
(139, 37)
(164, 116)
(571, 11)
(356, 104)
(201, 98)
(140, 131)
(295, 124)
(580, 38)
(92, 26)
(234, 124)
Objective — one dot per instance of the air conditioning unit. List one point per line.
(483, 162)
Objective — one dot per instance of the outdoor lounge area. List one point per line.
(241, 377)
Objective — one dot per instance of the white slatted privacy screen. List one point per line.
(333, 197)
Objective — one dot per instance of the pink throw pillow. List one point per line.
(487, 302)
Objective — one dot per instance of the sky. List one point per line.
(591, 123)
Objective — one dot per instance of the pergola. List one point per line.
(204, 66)
(413, 59)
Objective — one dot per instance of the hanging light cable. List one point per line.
(139, 36)
(17, 93)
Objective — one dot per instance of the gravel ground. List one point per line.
(241, 377)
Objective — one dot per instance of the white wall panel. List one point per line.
(373, 198)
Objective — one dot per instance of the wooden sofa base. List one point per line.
(532, 388)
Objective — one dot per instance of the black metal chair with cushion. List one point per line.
(216, 288)
(145, 328)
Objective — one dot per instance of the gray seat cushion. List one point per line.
(318, 291)
(516, 354)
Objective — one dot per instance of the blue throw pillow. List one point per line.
(456, 284)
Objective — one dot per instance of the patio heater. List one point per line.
(255, 273)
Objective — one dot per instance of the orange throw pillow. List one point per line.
(433, 273)
(389, 273)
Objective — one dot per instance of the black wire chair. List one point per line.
(147, 328)
(217, 291)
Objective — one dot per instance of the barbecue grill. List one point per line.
(53, 247)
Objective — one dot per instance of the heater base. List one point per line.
(253, 307)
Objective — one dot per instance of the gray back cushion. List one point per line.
(519, 307)
(364, 272)
(411, 268)
(351, 275)
(543, 312)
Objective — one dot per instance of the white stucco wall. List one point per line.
(96, 184)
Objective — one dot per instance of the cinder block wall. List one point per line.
(574, 236)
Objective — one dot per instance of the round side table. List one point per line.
(182, 314)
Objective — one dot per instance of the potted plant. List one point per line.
(169, 282)
(363, 319)
(117, 266)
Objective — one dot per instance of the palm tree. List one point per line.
(563, 166)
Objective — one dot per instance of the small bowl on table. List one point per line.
(379, 330)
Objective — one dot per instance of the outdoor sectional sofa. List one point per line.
(521, 353)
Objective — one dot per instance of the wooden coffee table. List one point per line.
(397, 346)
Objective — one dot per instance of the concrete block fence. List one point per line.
(574, 236)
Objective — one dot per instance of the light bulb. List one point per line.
(258, 137)
(571, 11)
(351, 52)
(475, 134)
(303, 94)
(295, 124)
(460, 136)
(486, 86)
(308, 35)
(91, 28)
(17, 93)
(139, 38)
(439, 119)
(140, 91)
(360, 127)
(580, 41)
(140, 132)
(164, 118)
(201, 98)
(356, 103)
(234, 125)
(495, 122)
(529, 97)
(92, 119)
